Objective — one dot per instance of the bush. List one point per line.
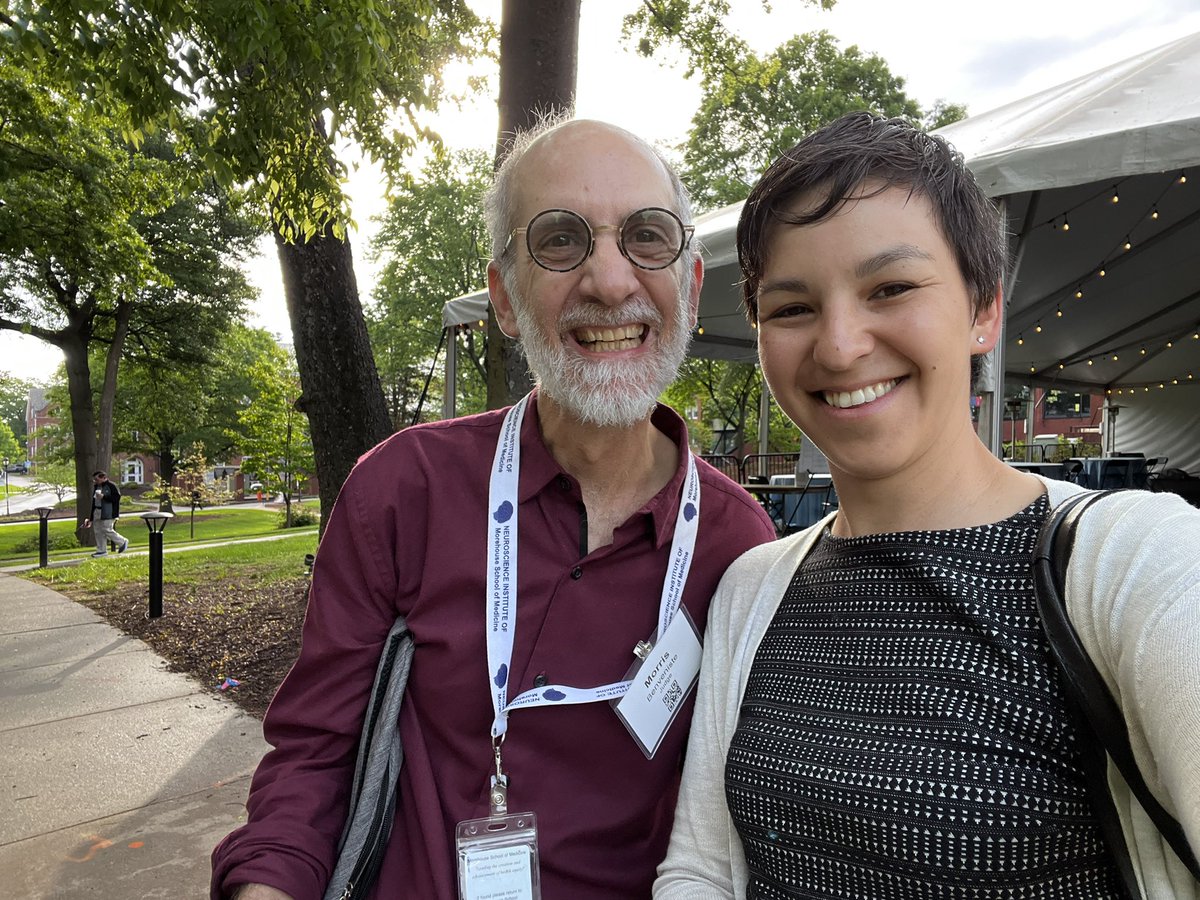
(301, 516)
(62, 541)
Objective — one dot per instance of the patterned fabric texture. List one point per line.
(903, 733)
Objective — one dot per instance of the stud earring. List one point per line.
(980, 340)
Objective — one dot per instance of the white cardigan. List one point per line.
(1133, 595)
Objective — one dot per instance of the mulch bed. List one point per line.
(233, 629)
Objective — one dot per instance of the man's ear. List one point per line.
(694, 299)
(987, 324)
(506, 316)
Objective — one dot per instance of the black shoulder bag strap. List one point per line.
(1098, 714)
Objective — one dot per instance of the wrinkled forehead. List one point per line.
(597, 170)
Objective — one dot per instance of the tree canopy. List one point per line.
(246, 81)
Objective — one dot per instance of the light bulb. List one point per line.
(1154, 213)
(1115, 357)
(1089, 362)
(1038, 328)
(1143, 351)
(1058, 312)
(1128, 243)
(1116, 198)
(1079, 293)
(1102, 273)
(1066, 224)
(1020, 341)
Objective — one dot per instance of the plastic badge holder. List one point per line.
(498, 858)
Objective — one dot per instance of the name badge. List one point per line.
(661, 683)
(498, 858)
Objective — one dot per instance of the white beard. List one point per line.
(618, 393)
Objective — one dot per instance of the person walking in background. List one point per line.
(622, 534)
(879, 714)
(106, 509)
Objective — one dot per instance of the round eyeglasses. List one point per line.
(560, 239)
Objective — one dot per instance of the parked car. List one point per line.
(17, 468)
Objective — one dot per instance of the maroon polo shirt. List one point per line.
(407, 535)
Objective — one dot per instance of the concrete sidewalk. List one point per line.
(118, 776)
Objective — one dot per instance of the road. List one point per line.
(23, 502)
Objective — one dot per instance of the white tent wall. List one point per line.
(1161, 423)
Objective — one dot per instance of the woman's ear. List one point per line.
(985, 331)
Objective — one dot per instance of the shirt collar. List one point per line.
(539, 468)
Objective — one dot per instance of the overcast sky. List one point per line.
(944, 49)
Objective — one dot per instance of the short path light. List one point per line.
(44, 536)
(156, 522)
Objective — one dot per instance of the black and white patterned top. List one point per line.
(903, 733)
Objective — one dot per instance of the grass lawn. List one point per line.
(266, 561)
(19, 543)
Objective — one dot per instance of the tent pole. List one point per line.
(992, 406)
(764, 416)
(450, 387)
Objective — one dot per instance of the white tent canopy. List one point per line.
(1128, 316)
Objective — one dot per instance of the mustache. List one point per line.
(639, 309)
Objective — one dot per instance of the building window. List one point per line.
(1061, 404)
(133, 472)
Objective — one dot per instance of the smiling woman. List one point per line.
(886, 669)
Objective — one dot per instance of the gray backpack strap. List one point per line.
(373, 792)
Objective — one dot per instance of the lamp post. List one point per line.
(156, 522)
(44, 536)
(6, 485)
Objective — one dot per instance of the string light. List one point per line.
(1182, 178)
(699, 328)
(1102, 273)
(1038, 328)
(1089, 362)
(1033, 369)
(1116, 198)
(482, 323)
(1143, 351)
(1115, 357)
(1058, 312)
(1154, 213)
(1079, 293)
(1061, 366)
(1128, 243)
(1066, 226)
(1170, 344)
(1020, 340)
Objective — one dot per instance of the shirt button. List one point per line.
(564, 482)
(577, 573)
(541, 680)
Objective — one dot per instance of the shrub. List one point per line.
(61, 541)
(301, 516)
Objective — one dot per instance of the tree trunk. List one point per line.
(342, 396)
(83, 425)
(166, 457)
(538, 48)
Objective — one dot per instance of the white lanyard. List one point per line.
(502, 578)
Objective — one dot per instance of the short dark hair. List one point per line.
(99, 474)
(836, 159)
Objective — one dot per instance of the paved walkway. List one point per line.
(118, 776)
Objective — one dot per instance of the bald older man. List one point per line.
(621, 533)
